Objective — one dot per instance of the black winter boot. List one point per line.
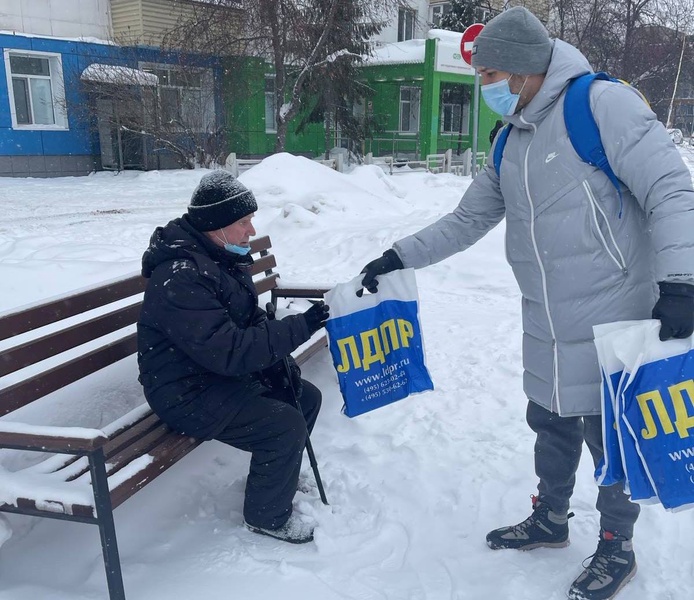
(542, 529)
(294, 531)
(612, 566)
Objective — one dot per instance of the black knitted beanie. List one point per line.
(220, 200)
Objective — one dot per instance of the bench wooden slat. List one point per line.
(282, 292)
(316, 346)
(46, 443)
(266, 264)
(118, 442)
(140, 446)
(260, 244)
(123, 437)
(69, 306)
(39, 349)
(167, 454)
(266, 284)
(24, 392)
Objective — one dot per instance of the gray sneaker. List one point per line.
(542, 529)
(612, 566)
(294, 531)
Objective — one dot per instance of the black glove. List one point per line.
(316, 316)
(296, 381)
(675, 309)
(275, 376)
(258, 316)
(390, 261)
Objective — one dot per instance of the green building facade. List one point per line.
(423, 103)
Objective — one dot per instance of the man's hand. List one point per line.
(390, 261)
(675, 309)
(296, 382)
(316, 316)
(275, 376)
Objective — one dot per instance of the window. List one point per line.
(482, 15)
(455, 109)
(437, 12)
(406, 21)
(409, 109)
(37, 90)
(186, 97)
(270, 105)
(451, 118)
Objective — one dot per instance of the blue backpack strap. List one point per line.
(501, 138)
(583, 130)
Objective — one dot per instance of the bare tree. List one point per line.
(152, 108)
(636, 40)
(297, 37)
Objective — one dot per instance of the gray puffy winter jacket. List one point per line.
(577, 261)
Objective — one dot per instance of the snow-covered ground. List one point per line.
(413, 487)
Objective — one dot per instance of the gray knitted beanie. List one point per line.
(514, 41)
(220, 200)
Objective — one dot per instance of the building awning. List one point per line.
(116, 75)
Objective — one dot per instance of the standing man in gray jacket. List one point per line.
(582, 253)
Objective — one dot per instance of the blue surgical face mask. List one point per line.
(499, 97)
(234, 249)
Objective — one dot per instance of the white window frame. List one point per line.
(405, 31)
(437, 12)
(270, 103)
(416, 114)
(55, 65)
(464, 118)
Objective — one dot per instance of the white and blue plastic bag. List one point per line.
(653, 411)
(376, 342)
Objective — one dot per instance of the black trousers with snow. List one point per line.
(274, 431)
(557, 453)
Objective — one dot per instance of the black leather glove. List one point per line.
(316, 316)
(675, 309)
(390, 261)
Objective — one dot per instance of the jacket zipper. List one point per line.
(554, 401)
(595, 208)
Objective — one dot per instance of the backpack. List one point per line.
(580, 125)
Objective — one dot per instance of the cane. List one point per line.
(270, 310)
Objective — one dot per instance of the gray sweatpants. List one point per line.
(557, 453)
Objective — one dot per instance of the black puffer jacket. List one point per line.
(201, 337)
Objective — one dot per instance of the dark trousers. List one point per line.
(557, 453)
(275, 432)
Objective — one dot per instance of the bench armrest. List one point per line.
(42, 438)
(298, 291)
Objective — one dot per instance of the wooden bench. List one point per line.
(92, 471)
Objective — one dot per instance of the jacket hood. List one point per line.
(178, 239)
(566, 64)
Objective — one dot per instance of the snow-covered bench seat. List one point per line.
(89, 471)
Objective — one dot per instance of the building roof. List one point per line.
(116, 75)
(411, 51)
